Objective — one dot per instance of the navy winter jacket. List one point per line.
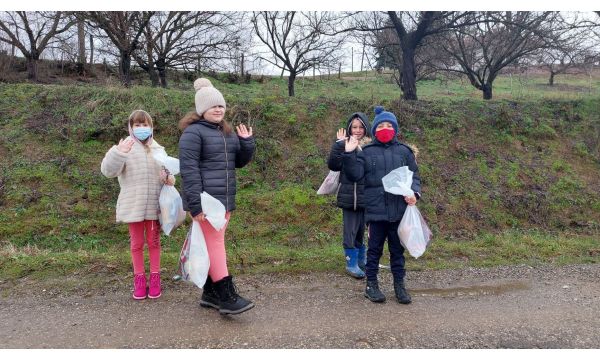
(207, 161)
(350, 194)
(371, 165)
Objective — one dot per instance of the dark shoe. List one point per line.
(373, 293)
(230, 302)
(209, 295)
(401, 294)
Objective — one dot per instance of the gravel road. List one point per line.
(502, 307)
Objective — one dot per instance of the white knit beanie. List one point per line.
(207, 96)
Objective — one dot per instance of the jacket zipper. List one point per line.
(354, 196)
(226, 174)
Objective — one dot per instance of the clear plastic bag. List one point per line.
(331, 183)
(170, 163)
(399, 182)
(413, 232)
(171, 209)
(193, 259)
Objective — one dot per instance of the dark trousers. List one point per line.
(378, 232)
(354, 228)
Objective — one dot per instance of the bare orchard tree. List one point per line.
(497, 40)
(124, 29)
(570, 47)
(177, 37)
(297, 40)
(412, 28)
(32, 33)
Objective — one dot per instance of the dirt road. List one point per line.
(505, 307)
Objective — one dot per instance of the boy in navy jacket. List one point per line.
(383, 210)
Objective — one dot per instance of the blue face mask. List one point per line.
(142, 133)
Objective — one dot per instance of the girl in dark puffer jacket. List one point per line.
(350, 195)
(209, 153)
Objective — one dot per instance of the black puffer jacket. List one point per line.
(350, 194)
(207, 161)
(371, 165)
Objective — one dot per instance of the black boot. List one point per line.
(209, 296)
(373, 293)
(401, 294)
(229, 300)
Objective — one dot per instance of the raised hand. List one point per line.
(341, 134)
(243, 132)
(351, 144)
(125, 145)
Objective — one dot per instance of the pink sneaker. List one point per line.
(154, 291)
(139, 286)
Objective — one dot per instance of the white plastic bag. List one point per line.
(399, 181)
(413, 232)
(193, 259)
(330, 184)
(170, 163)
(171, 209)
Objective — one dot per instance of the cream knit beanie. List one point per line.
(207, 96)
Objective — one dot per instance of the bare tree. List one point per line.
(176, 38)
(297, 41)
(124, 29)
(496, 40)
(32, 33)
(412, 30)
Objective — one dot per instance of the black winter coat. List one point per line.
(371, 165)
(207, 161)
(350, 193)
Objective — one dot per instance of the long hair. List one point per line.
(192, 117)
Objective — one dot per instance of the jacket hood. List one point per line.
(363, 118)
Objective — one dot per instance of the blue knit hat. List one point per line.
(381, 116)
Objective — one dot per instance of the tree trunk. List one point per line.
(81, 41)
(551, 80)
(242, 67)
(153, 76)
(162, 72)
(487, 91)
(291, 81)
(32, 65)
(409, 75)
(91, 50)
(125, 68)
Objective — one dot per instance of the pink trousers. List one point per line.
(215, 244)
(137, 240)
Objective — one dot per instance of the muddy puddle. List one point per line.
(476, 290)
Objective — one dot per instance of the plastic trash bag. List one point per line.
(331, 183)
(193, 259)
(399, 181)
(171, 209)
(170, 163)
(413, 232)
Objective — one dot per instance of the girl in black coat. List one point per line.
(350, 195)
(209, 153)
(383, 211)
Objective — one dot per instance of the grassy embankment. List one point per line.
(508, 181)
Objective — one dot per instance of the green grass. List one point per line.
(506, 181)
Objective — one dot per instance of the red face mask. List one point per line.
(385, 135)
